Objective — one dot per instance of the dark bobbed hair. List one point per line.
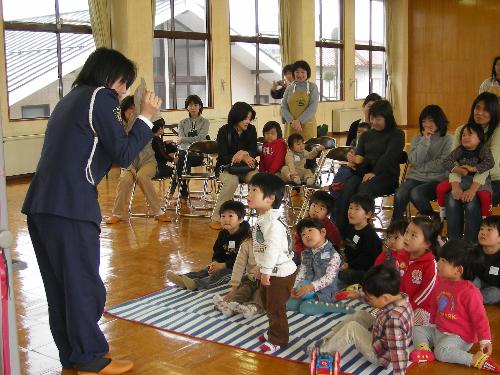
(239, 112)
(287, 68)
(464, 254)
(363, 200)
(104, 67)
(158, 124)
(302, 64)
(430, 228)
(472, 127)
(270, 185)
(322, 197)
(193, 99)
(492, 221)
(126, 104)
(383, 108)
(397, 226)
(381, 279)
(294, 137)
(493, 73)
(231, 205)
(437, 115)
(309, 223)
(273, 125)
(491, 103)
(372, 97)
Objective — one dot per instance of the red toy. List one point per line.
(324, 363)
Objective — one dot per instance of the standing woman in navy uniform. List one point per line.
(84, 136)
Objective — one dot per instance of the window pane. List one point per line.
(163, 15)
(269, 20)
(362, 21)
(242, 17)
(190, 16)
(31, 59)
(243, 67)
(378, 23)
(361, 62)
(176, 75)
(330, 20)
(270, 70)
(42, 11)
(75, 48)
(330, 83)
(74, 12)
(378, 72)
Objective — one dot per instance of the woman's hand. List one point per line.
(368, 177)
(248, 160)
(238, 157)
(150, 104)
(456, 191)
(295, 124)
(469, 194)
(265, 279)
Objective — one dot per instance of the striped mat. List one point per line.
(192, 313)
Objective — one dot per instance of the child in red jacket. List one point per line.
(460, 318)
(420, 269)
(274, 148)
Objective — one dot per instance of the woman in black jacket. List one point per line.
(236, 145)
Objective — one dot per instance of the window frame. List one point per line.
(330, 43)
(56, 28)
(370, 48)
(173, 35)
(256, 39)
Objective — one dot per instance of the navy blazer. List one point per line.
(60, 186)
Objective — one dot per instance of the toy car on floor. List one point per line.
(324, 363)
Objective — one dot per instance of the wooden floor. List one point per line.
(135, 256)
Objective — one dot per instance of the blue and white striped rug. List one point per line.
(192, 313)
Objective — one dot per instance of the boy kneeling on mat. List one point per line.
(234, 230)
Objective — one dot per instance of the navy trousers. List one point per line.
(67, 252)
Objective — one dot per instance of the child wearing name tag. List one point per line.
(316, 282)
(234, 230)
(295, 161)
(488, 281)
(362, 244)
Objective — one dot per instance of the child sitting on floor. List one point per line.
(469, 166)
(362, 244)
(385, 339)
(320, 207)
(460, 317)
(234, 230)
(295, 161)
(393, 246)
(274, 148)
(316, 282)
(244, 297)
(488, 281)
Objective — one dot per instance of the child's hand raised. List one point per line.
(264, 279)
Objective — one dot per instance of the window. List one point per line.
(255, 49)
(329, 48)
(370, 48)
(46, 44)
(181, 52)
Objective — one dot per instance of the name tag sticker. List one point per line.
(355, 239)
(232, 244)
(325, 255)
(296, 157)
(494, 270)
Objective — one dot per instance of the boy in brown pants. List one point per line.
(272, 247)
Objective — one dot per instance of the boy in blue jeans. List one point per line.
(234, 230)
(272, 248)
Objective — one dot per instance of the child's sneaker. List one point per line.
(248, 311)
(269, 348)
(485, 362)
(264, 337)
(189, 283)
(176, 279)
(422, 355)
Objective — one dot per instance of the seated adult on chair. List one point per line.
(142, 170)
(164, 151)
(236, 146)
(192, 129)
(377, 157)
